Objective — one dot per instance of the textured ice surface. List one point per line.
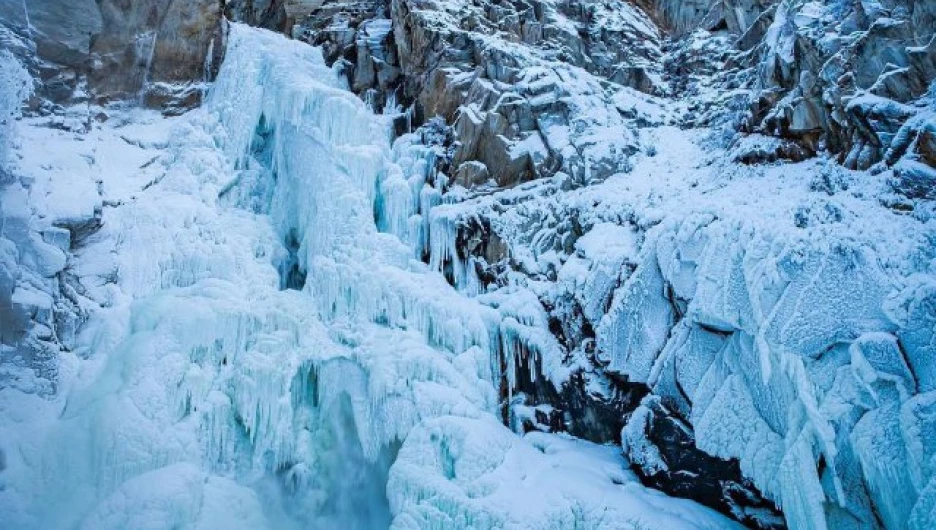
(792, 328)
(759, 362)
(261, 353)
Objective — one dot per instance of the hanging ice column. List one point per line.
(407, 199)
(329, 155)
(211, 367)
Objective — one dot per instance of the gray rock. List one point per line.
(926, 145)
(120, 50)
(63, 31)
(471, 174)
(269, 14)
(808, 80)
(142, 43)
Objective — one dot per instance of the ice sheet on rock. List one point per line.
(636, 326)
(634, 441)
(914, 309)
(604, 249)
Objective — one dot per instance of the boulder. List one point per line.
(471, 174)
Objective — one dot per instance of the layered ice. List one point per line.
(263, 348)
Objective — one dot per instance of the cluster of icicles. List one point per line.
(363, 216)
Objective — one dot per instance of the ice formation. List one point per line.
(269, 353)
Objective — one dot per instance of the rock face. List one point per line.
(39, 310)
(840, 76)
(521, 82)
(663, 448)
(159, 52)
(144, 46)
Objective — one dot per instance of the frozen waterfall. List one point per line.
(271, 352)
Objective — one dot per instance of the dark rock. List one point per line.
(679, 469)
(926, 144)
(269, 14)
(757, 149)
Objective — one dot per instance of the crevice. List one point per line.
(906, 360)
(292, 275)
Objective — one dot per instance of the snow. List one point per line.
(200, 394)
(470, 473)
(765, 305)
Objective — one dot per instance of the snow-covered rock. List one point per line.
(159, 53)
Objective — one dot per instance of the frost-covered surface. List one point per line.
(256, 354)
(458, 473)
(784, 311)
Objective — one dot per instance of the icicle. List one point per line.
(392, 108)
(370, 100)
(150, 54)
(409, 119)
(29, 27)
(206, 69)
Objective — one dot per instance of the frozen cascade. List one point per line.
(363, 398)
